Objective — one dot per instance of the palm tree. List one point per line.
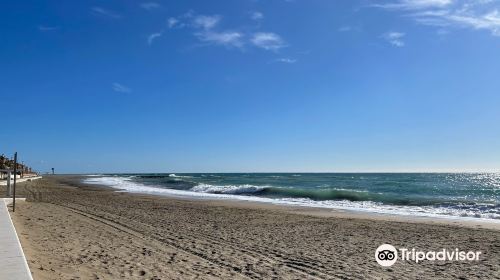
(3, 162)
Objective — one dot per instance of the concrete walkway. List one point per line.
(13, 263)
(19, 180)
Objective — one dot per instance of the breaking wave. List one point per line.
(345, 199)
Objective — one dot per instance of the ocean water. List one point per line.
(452, 195)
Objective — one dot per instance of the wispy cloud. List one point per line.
(121, 88)
(206, 22)
(268, 41)
(224, 38)
(152, 37)
(150, 5)
(172, 22)
(45, 28)
(394, 38)
(415, 4)
(256, 15)
(99, 11)
(350, 28)
(207, 29)
(471, 14)
(345, 28)
(286, 60)
(207, 33)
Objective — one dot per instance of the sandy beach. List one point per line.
(69, 230)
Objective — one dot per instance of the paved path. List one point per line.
(13, 264)
(19, 180)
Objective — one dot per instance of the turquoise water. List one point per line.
(449, 194)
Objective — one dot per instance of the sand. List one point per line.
(72, 231)
(20, 188)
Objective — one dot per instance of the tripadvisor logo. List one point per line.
(387, 255)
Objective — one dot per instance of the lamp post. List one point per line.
(15, 175)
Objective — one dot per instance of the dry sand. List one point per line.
(20, 189)
(72, 231)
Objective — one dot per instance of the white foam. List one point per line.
(178, 176)
(229, 192)
(229, 189)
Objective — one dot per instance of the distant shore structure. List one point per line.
(7, 169)
(11, 170)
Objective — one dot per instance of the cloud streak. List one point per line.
(395, 38)
(225, 38)
(256, 16)
(172, 22)
(206, 22)
(207, 29)
(150, 6)
(345, 28)
(465, 14)
(99, 11)
(268, 41)
(152, 37)
(414, 4)
(286, 60)
(120, 88)
(44, 28)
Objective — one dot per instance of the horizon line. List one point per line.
(286, 172)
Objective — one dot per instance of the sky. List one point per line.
(251, 85)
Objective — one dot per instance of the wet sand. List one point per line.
(72, 231)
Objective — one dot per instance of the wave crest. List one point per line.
(229, 189)
(333, 199)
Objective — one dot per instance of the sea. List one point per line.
(446, 195)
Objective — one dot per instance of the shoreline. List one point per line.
(250, 201)
(68, 229)
(328, 212)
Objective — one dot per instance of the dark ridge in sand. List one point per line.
(73, 231)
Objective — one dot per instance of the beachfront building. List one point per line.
(4, 167)
(7, 167)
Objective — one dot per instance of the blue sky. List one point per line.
(247, 85)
